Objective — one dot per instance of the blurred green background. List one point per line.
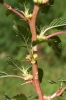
(53, 67)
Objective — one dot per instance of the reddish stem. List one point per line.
(58, 93)
(32, 24)
(33, 21)
(14, 11)
(14, 76)
(36, 81)
(55, 34)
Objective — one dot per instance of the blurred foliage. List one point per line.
(52, 65)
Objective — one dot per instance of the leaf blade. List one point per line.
(59, 23)
(56, 45)
(20, 97)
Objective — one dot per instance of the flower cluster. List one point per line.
(41, 36)
(26, 75)
(26, 13)
(41, 1)
(32, 57)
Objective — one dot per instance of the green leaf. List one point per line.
(45, 8)
(63, 79)
(23, 32)
(52, 82)
(17, 64)
(56, 44)
(21, 1)
(40, 41)
(59, 23)
(20, 97)
(51, 2)
(3, 73)
(8, 12)
(40, 74)
(7, 97)
(1, 1)
(33, 96)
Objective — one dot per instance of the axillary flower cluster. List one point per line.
(41, 1)
(41, 36)
(26, 13)
(26, 75)
(32, 57)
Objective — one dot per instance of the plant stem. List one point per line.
(14, 11)
(32, 24)
(14, 76)
(33, 21)
(58, 93)
(36, 81)
(55, 34)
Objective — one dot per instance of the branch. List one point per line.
(58, 93)
(13, 10)
(15, 76)
(55, 34)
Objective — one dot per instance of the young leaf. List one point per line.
(21, 1)
(63, 80)
(3, 73)
(7, 97)
(52, 82)
(14, 63)
(40, 74)
(8, 12)
(59, 23)
(33, 96)
(23, 32)
(45, 8)
(56, 44)
(20, 97)
(51, 2)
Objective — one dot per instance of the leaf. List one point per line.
(51, 2)
(52, 82)
(21, 1)
(23, 32)
(3, 73)
(63, 80)
(59, 23)
(45, 8)
(14, 63)
(12, 60)
(8, 12)
(7, 97)
(39, 42)
(40, 74)
(33, 96)
(20, 97)
(56, 44)
(1, 1)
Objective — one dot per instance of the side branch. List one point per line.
(58, 93)
(14, 76)
(55, 34)
(14, 11)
